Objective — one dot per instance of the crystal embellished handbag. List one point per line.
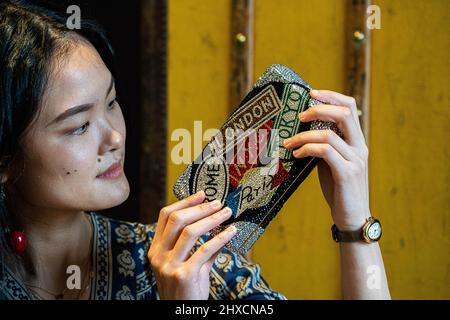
(245, 165)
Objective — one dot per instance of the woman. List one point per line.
(62, 138)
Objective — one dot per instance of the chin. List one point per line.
(113, 195)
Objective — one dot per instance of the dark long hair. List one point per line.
(32, 36)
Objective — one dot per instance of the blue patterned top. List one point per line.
(122, 270)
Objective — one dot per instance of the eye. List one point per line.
(113, 103)
(79, 131)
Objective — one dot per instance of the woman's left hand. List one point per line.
(344, 172)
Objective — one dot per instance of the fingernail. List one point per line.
(296, 153)
(198, 193)
(231, 229)
(215, 204)
(302, 115)
(286, 142)
(314, 92)
(226, 211)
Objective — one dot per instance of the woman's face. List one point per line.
(78, 134)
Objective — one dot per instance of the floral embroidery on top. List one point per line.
(122, 270)
(124, 234)
(124, 294)
(126, 262)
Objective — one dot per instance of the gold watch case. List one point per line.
(372, 230)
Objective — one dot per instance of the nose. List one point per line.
(112, 140)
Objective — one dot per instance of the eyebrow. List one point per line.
(79, 109)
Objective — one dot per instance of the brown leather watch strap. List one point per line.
(347, 236)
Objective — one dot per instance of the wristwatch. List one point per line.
(370, 232)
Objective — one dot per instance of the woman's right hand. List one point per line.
(180, 274)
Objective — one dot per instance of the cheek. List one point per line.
(58, 174)
(77, 162)
(61, 168)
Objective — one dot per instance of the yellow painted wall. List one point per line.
(297, 254)
(198, 69)
(409, 172)
(409, 158)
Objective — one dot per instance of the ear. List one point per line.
(10, 166)
(4, 174)
(3, 178)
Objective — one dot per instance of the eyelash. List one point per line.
(81, 130)
(113, 103)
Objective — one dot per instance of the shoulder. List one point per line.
(121, 257)
(127, 231)
(233, 276)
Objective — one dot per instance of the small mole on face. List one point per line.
(67, 172)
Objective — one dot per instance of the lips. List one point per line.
(114, 171)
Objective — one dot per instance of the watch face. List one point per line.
(374, 231)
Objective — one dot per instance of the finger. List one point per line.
(325, 151)
(211, 261)
(192, 232)
(179, 219)
(211, 247)
(207, 266)
(336, 98)
(320, 136)
(190, 201)
(343, 118)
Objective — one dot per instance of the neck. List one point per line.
(57, 236)
(56, 239)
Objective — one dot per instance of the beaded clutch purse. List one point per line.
(245, 165)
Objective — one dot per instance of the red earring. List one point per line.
(18, 241)
(17, 238)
